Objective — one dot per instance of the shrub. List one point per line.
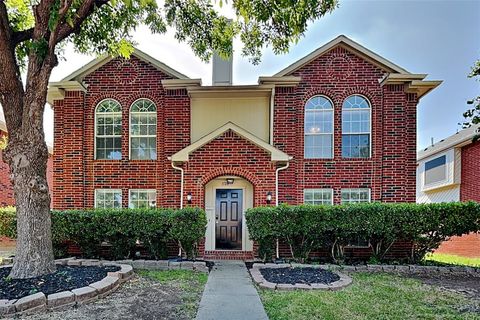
(305, 228)
(121, 229)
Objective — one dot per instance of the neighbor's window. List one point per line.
(355, 195)
(108, 198)
(108, 130)
(436, 170)
(143, 130)
(356, 127)
(319, 128)
(142, 199)
(318, 196)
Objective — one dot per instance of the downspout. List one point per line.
(181, 196)
(276, 199)
(272, 110)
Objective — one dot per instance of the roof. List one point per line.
(99, 62)
(458, 139)
(276, 155)
(350, 44)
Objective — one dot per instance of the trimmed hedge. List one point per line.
(121, 229)
(306, 228)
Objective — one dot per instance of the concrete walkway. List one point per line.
(230, 294)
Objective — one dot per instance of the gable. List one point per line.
(349, 45)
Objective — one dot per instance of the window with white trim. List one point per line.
(108, 130)
(318, 128)
(356, 129)
(318, 196)
(108, 198)
(142, 198)
(355, 195)
(436, 170)
(143, 130)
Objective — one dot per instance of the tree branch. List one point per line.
(21, 36)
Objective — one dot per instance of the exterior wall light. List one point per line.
(230, 180)
(269, 197)
(189, 198)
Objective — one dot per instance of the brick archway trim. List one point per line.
(218, 172)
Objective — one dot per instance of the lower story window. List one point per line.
(318, 196)
(355, 195)
(140, 198)
(108, 198)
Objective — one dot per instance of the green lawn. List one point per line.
(189, 283)
(371, 296)
(453, 259)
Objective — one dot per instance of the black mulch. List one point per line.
(65, 278)
(299, 275)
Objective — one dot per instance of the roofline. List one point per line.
(414, 83)
(102, 60)
(184, 154)
(342, 39)
(455, 144)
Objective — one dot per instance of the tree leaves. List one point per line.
(472, 115)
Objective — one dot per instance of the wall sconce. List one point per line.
(269, 197)
(230, 180)
(189, 198)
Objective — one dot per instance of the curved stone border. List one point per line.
(262, 283)
(406, 269)
(40, 302)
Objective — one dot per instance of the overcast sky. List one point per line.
(440, 38)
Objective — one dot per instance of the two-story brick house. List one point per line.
(337, 126)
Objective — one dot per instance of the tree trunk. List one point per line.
(34, 252)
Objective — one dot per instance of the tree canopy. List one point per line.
(472, 115)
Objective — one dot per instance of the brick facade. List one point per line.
(6, 188)
(337, 74)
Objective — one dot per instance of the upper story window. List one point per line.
(143, 130)
(319, 128)
(356, 127)
(436, 170)
(108, 130)
(318, 196)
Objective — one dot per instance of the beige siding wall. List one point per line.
(252, 114)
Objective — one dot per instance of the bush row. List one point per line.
(306, 228)
(122, 229)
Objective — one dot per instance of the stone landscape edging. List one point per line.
(258, 278)
(40, 302)
(391, 268)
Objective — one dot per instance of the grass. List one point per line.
(189, 283)
(453, 259)
(371, 296)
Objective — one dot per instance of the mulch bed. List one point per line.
(299, 275)
(65, 278)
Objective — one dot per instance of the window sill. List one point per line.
(443, 185)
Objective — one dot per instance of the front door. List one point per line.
(228, 219)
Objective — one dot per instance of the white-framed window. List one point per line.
(436, 170)
(356, 127)
(143, 130)
(355, 195)
(318, 196)
(142, 198)
(108, 130)
(108, 198)
(318, 128)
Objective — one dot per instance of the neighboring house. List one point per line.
(337, 126)
(6, 188)
(447, 171)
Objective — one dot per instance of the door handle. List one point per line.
(216, 218)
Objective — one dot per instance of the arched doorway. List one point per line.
(226, 200)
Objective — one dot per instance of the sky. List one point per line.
(436, 37)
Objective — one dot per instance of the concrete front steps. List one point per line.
(229, 255)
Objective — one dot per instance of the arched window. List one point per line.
(143, 130)
(108, 130)
(356, 127)
(319, 128)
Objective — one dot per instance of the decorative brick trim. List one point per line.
(222, 171)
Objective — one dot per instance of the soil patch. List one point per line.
(462, 283)
(65, 278)
(299, 275)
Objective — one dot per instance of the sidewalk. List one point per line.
(230, 294)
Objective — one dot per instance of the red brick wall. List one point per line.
(470, 186)
(467, 245)
(389, 173)
(6, 188)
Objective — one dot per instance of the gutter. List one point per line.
(181, 182)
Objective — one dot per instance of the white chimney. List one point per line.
(222, 71)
